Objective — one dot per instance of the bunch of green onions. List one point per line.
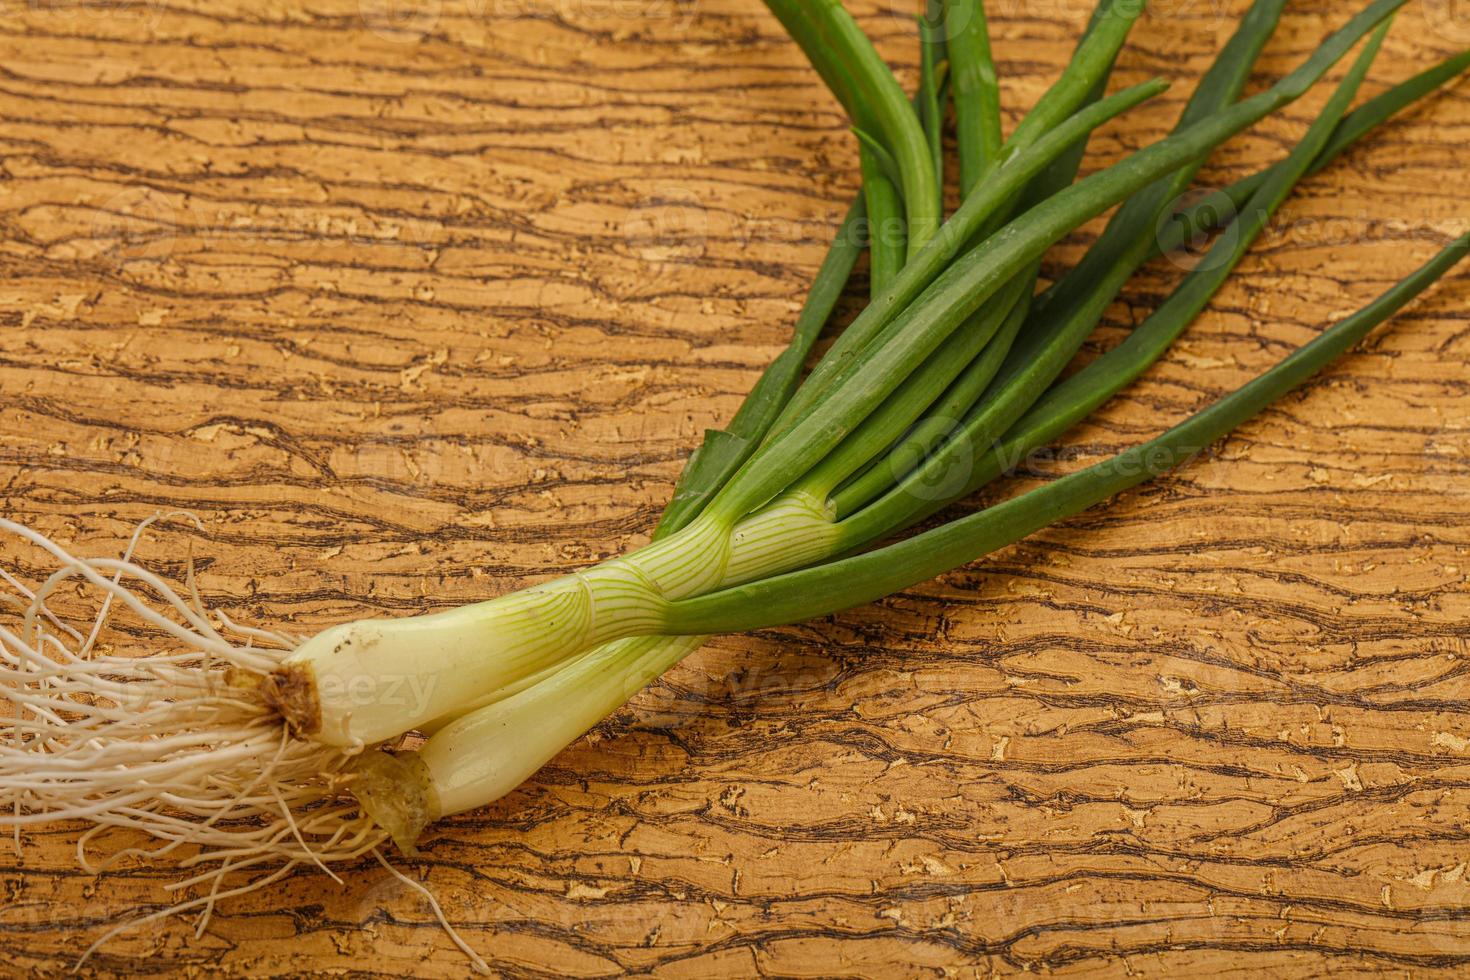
(263, 749)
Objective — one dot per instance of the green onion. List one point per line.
(263, 737)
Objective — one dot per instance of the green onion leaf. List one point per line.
(829, 588)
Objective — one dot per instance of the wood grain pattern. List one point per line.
(413, 303)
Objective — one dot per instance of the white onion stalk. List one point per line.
(372, 680)
(485, 753)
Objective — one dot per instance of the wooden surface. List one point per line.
(415, 303)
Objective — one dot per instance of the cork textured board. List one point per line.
(416, 303)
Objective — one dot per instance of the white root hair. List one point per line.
(172, 751)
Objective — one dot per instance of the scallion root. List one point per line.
(136, 712)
